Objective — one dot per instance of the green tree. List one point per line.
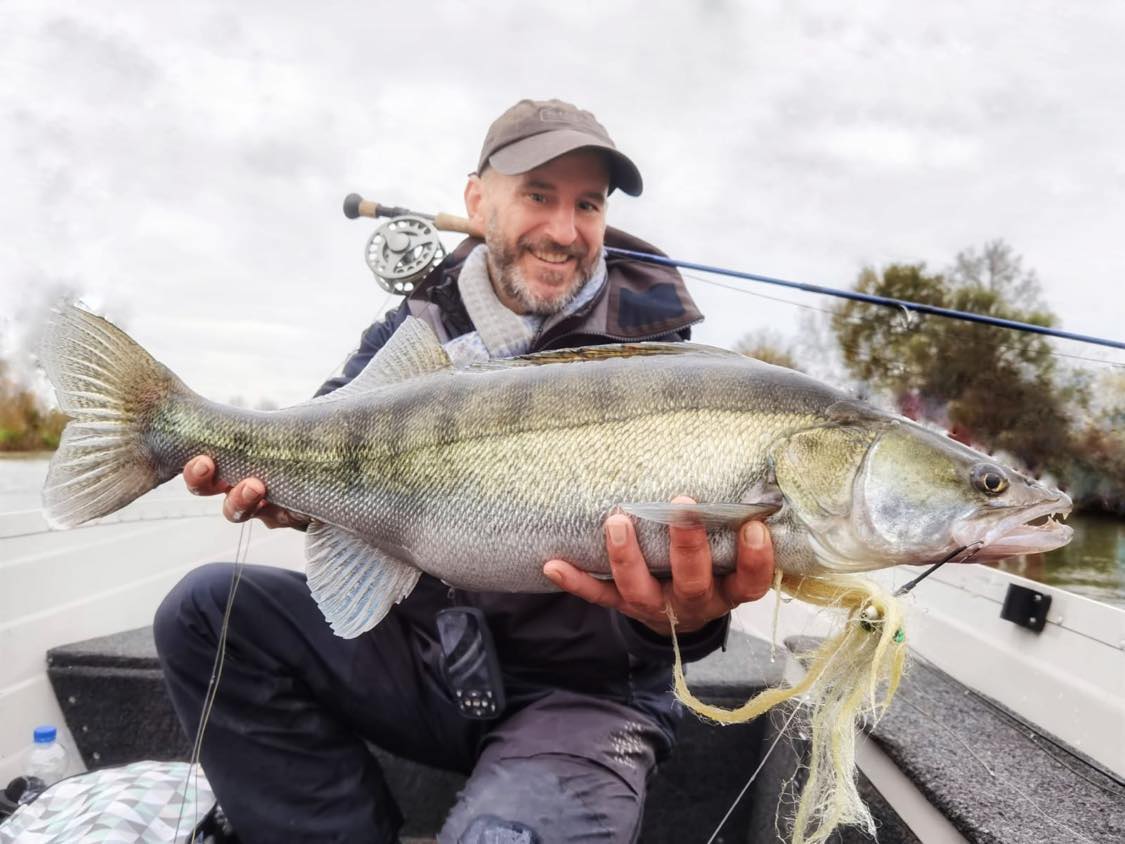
(25, 424)
(995, 386)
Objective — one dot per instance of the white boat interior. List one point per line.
(1062, 690)
(58, 587)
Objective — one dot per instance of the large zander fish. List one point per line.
(480, 475)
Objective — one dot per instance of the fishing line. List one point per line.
(999, 779)
(907, 587)
(737, 289)
(758, 770)
(1044, 738)
(241, 550)
(386, 301)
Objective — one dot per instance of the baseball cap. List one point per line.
(532, 132)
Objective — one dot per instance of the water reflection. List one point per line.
(1093, 564)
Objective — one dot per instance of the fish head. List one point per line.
(927, 496)
(884, 491)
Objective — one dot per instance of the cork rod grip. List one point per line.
(451, 223)
(356, 206)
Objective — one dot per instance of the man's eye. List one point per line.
(589, 206)
(537, 197)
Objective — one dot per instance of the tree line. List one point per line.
(26, 422)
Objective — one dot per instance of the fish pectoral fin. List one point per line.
(730, 516)
(354, 583)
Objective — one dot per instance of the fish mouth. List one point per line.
(1034, 531)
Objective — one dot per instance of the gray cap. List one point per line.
(532, 132)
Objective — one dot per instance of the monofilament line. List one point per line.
(906, 587)
(192, 782)
(757, 771)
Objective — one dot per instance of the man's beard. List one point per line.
(503, 266)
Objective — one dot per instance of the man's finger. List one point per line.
(199, 475)
(577, 582)
(753, 575)
(634, 581)
(243, 499)
(690, 557)
(273, 516)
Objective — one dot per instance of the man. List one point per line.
(586, 674)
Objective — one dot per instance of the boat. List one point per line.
(1001, 733)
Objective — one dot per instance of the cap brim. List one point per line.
(529, 153)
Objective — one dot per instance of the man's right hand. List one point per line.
(245, 500)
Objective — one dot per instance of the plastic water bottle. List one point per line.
(47, 759)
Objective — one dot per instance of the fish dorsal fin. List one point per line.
(413, 350)
(607, 352)
(354, 584)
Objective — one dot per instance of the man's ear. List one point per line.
(474, 201)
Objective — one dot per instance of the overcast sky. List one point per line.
(182, 168)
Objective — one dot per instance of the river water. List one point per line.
(1093, 564)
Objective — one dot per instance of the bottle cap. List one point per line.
(45, 734)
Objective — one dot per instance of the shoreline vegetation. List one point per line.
(27, 424)
(999, 391)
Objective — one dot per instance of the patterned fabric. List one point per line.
(141, 802)
(500, 332)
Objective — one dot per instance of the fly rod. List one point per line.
(356, 206)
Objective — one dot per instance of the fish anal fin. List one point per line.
(354, 583)
(730, 516)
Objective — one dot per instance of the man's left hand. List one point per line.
(695, 595)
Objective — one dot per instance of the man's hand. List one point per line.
(694, 593)
(245, 500)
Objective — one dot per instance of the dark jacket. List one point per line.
(558, 640)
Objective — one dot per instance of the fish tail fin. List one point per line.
(111, 388)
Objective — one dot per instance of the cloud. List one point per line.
(190, 162)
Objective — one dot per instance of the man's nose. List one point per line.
(561, 226)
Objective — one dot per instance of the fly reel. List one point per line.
(402, 252)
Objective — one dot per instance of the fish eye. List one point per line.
(989, 479)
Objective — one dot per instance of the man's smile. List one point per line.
(551, 257)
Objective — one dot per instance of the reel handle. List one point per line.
(356, 206)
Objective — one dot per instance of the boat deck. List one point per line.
(986, 776)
